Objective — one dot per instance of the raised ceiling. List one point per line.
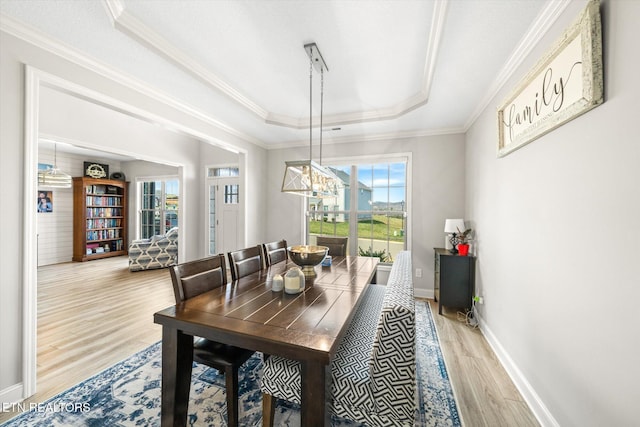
(396, 68)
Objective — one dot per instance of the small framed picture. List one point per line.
(45, 201)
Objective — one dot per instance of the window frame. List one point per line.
(140, 181)
(354, 161)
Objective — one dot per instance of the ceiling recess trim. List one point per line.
(529, 41)
(134, 28)
(131, 26)
(35, 37)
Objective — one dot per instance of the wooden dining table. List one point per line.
(246, 313)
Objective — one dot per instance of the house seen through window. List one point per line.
(371, 209)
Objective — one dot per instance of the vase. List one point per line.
(463, 249)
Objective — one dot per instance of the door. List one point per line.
(224, 212)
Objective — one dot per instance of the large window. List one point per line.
(371, 209)
(159, 207)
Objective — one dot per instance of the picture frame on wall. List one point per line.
(45, 201)
(564, 84)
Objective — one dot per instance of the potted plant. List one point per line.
(463, 241)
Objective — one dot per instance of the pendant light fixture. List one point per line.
(306, 177)
(54, 177)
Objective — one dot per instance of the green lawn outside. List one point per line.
(382, 227)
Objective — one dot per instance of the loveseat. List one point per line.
(156, 252)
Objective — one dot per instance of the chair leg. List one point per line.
(231, 380)
(268, 409)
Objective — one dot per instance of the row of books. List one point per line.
(104, 223)
(104, 201)
(112, 233)
(96, 248)
(103, 212)
(101, 189)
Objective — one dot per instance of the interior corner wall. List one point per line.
(556, 227)
(437, 192)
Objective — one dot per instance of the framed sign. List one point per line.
(564, 84)
(96, 170)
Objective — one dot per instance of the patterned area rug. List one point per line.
(128, 393)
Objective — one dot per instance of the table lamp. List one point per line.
(453, 227)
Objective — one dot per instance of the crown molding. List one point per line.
(131, 26)
(389, 136)
(437, 28)
(547, 17)
(35, 37)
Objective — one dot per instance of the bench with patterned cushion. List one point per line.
(374, 370)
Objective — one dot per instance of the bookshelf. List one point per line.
(99, 218)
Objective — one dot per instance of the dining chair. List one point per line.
(245, 261)
(191, 279)
(337, 245)
(274, 252)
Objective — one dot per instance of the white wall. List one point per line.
(437, 193)
(557, 231)
(14, 54)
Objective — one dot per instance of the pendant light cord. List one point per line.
(311, 107)
(321, 108)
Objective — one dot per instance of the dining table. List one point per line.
(247, 313)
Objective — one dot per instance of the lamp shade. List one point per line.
(307, 178)
(454, 226)
(54, 178)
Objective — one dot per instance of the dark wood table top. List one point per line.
(305, 326)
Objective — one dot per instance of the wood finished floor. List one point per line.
(92, 315)
(485, 395)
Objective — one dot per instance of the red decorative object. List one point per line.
(463, 249)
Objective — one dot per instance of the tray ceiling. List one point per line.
(396, 68)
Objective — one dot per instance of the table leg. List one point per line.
(177, 358)
(315, 380)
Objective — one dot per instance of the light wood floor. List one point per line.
(92, 315)
(484, 392)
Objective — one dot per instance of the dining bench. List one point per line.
(374, 369)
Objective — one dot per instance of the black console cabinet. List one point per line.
(454, 279)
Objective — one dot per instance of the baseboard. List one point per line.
(13, 394)
(423, 293)
(539, 409)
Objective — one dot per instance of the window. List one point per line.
(218, 172)
(159, 207)
(371, 209)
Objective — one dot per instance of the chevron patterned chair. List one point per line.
(157, 252)
(374, 370)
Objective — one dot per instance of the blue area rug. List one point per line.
(128, 393)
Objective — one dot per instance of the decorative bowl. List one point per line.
(307, 257)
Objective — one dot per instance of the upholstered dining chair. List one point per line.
(337, 245)
(245, 261)
(191, 279)
(274, 252)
